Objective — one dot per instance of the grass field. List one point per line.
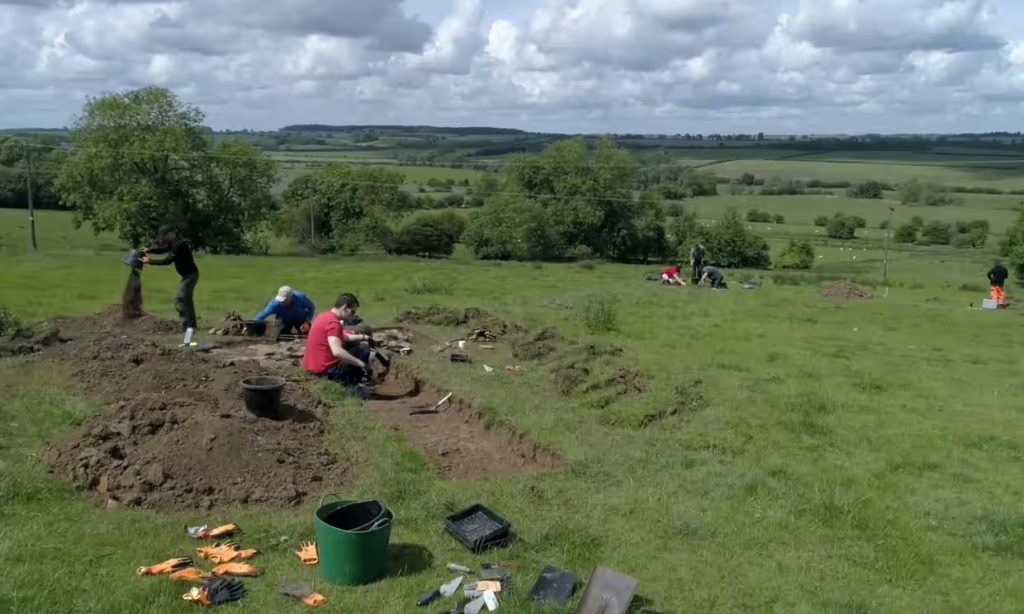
(852, 456)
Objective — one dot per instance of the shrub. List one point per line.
(858, 221)
(8, 321)
(758, 216)
(452, 201)
(1012, 247)
(779, 218)
(821, 220)
(674, 209)
(426, 235)
(868, 189)
(917, 222)
(600, 314)
(729, 244)
(907, 233)
(798, 254)
(936, 233)
(508, 228)
(782, 187)
(842, 227)
(884, 224)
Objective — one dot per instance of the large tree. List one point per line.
(143, 158)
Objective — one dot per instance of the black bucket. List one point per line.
(263, 396)
(255, 329)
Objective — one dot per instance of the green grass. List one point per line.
(847, 457)
(954, 173)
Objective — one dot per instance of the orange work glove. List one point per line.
(303, 592)
(233, 555)
(190, 574)
(237, 569)
(208, 552)
(204, 532)
(307, 553)
(168, 566)
(215, 591)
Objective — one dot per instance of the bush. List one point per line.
(452, 201)
(884, 224)
(509, 228)
(729, 244)
(8, 321)
(907, 233)
(868, 189)
(782, 187)
(842, 227)
(858, 221)
(936, 233)
(427, 235)
(674, 209)
(1012, 247)
(779, 218)
(821, 220)
(758, 216)
(600, 314)
(917, 222)
(798, 254)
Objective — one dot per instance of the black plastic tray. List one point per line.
(478, 528)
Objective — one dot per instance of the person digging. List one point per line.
(997, 277)
(670, 276)
(294, 311)
(713, 278)
(333, 355)
(179, 253)
(696, 263)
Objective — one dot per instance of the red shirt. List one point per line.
(671, 271)
(318, 357)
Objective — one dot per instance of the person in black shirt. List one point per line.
(714, 278)
(997, 276)
(179, 253)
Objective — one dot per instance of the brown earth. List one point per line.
(455, 439)
(476, 318)
(176, 434)
(844, 289)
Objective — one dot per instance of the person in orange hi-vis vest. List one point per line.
(997, 277)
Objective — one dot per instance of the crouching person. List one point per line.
(332, 354)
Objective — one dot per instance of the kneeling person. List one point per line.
(326, 354)
(293, 309)
(713, 277)
(671, 276)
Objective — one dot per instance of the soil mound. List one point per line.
(844, 290)
(537, 346)
(177, 435)
(27, 340)
(478, 319)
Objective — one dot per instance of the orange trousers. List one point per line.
(998, 295)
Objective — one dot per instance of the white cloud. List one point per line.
(560, 65)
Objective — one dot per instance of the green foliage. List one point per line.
(868, 189)
(488, 185)
(452, 201)
(907, 233)
(684, 230)
(884, 224)
(798, 254)
(917, 192)
(428, 235)
(917, 222)
(674, 209)
(780, 186)
(1012, 247)
(759, 216)
(642, 236)
(700, 183)
(730, 244)
(779, 219)
(144, 159)
(47, 159)
(510, 227)
(821, 220)
(842, 227)
(973, 234)
(858, 221)
(600, 313)
(8, 321)
(936, 233)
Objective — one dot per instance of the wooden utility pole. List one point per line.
(885, 259)
(31, 204)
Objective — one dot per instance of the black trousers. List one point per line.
(183, 300)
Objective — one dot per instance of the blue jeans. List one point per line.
(350, 374)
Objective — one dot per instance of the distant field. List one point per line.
(1000, 211)
(947, 157)
(997, 176)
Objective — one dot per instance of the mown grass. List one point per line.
(822, 455)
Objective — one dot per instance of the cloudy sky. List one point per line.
(777, 66)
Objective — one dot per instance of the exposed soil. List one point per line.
(27, 340)
(478, 319)
(455, 439)
(844, 290)
(177, 435)
(568, 379)
(537, 346)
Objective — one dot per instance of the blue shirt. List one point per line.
(301, 309)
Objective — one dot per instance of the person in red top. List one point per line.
(336, 354)
(671, 276)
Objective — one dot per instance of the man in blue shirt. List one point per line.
(293, 309)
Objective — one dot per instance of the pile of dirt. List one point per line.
(456, 440)
(177, 435)
(474, 317)
(844, 290)
(537, 346)
(27, 340)
(621, 383)
(233, 325)
(567, 379)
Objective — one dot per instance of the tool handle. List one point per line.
(428, 598)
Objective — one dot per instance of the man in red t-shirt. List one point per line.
(671, 275)
(326, 354)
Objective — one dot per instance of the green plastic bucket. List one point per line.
(352, 540)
